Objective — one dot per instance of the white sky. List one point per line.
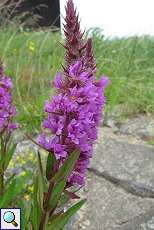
(116, 17)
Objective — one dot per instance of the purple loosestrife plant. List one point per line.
(7, 126)
(73, 118)
(70, 129)
(89, 60)
(68, 134)
(74, 114)
(74, 44)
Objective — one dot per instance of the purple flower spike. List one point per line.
(75, 113)
(73, 120)
(7, 110)
(90, 64)
(74, 45)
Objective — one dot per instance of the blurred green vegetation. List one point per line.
(33, 58)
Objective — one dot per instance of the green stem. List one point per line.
(1, 183)
(44, 214)
(43, 221)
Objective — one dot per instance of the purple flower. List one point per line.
(58, 83)
(74, 44)
(75, 113)
(73, 119)
(7, 110)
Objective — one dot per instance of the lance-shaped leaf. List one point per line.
(9, 155)
(61, 220)
(56, 194)
(66, 196)
(60, 178)
(68, 166)
(35, 209)
(51, 162)
(42, 186)
(25, 214)
(13, 190)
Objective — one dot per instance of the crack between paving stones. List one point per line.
(129, 186)
(129, 220)
(136, 221)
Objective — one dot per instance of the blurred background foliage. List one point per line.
(32, 58)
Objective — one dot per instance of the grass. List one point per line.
(151, 143)
(33, 58)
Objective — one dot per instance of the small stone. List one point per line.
(18, 136)
(142, 126)
(110, 123)
(86, 223)
(149, 225)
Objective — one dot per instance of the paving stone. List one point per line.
(108, 206)
(123, 159)
(142, 126)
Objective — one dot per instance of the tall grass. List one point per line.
(31, 61)
(130, 64)
(33, 58)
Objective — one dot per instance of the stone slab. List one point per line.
(108, 206)
(123, 159)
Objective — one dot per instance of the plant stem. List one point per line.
(1, 183)
(45, 206)
(43, 220)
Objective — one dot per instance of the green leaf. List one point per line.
(60, 178)
(68, 166)
(35, 209)
(40, 192)
(25, 214)
(10, 179)
(60, 221)
(56, 194)
(72, 195)
(63, 200)
(35, 216)
(9, 155)
(66, 196)
(20, 204)
(51, 161)
(2, 160)
(41, 183)
(13, 190)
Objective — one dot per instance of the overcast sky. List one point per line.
(116, 17)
